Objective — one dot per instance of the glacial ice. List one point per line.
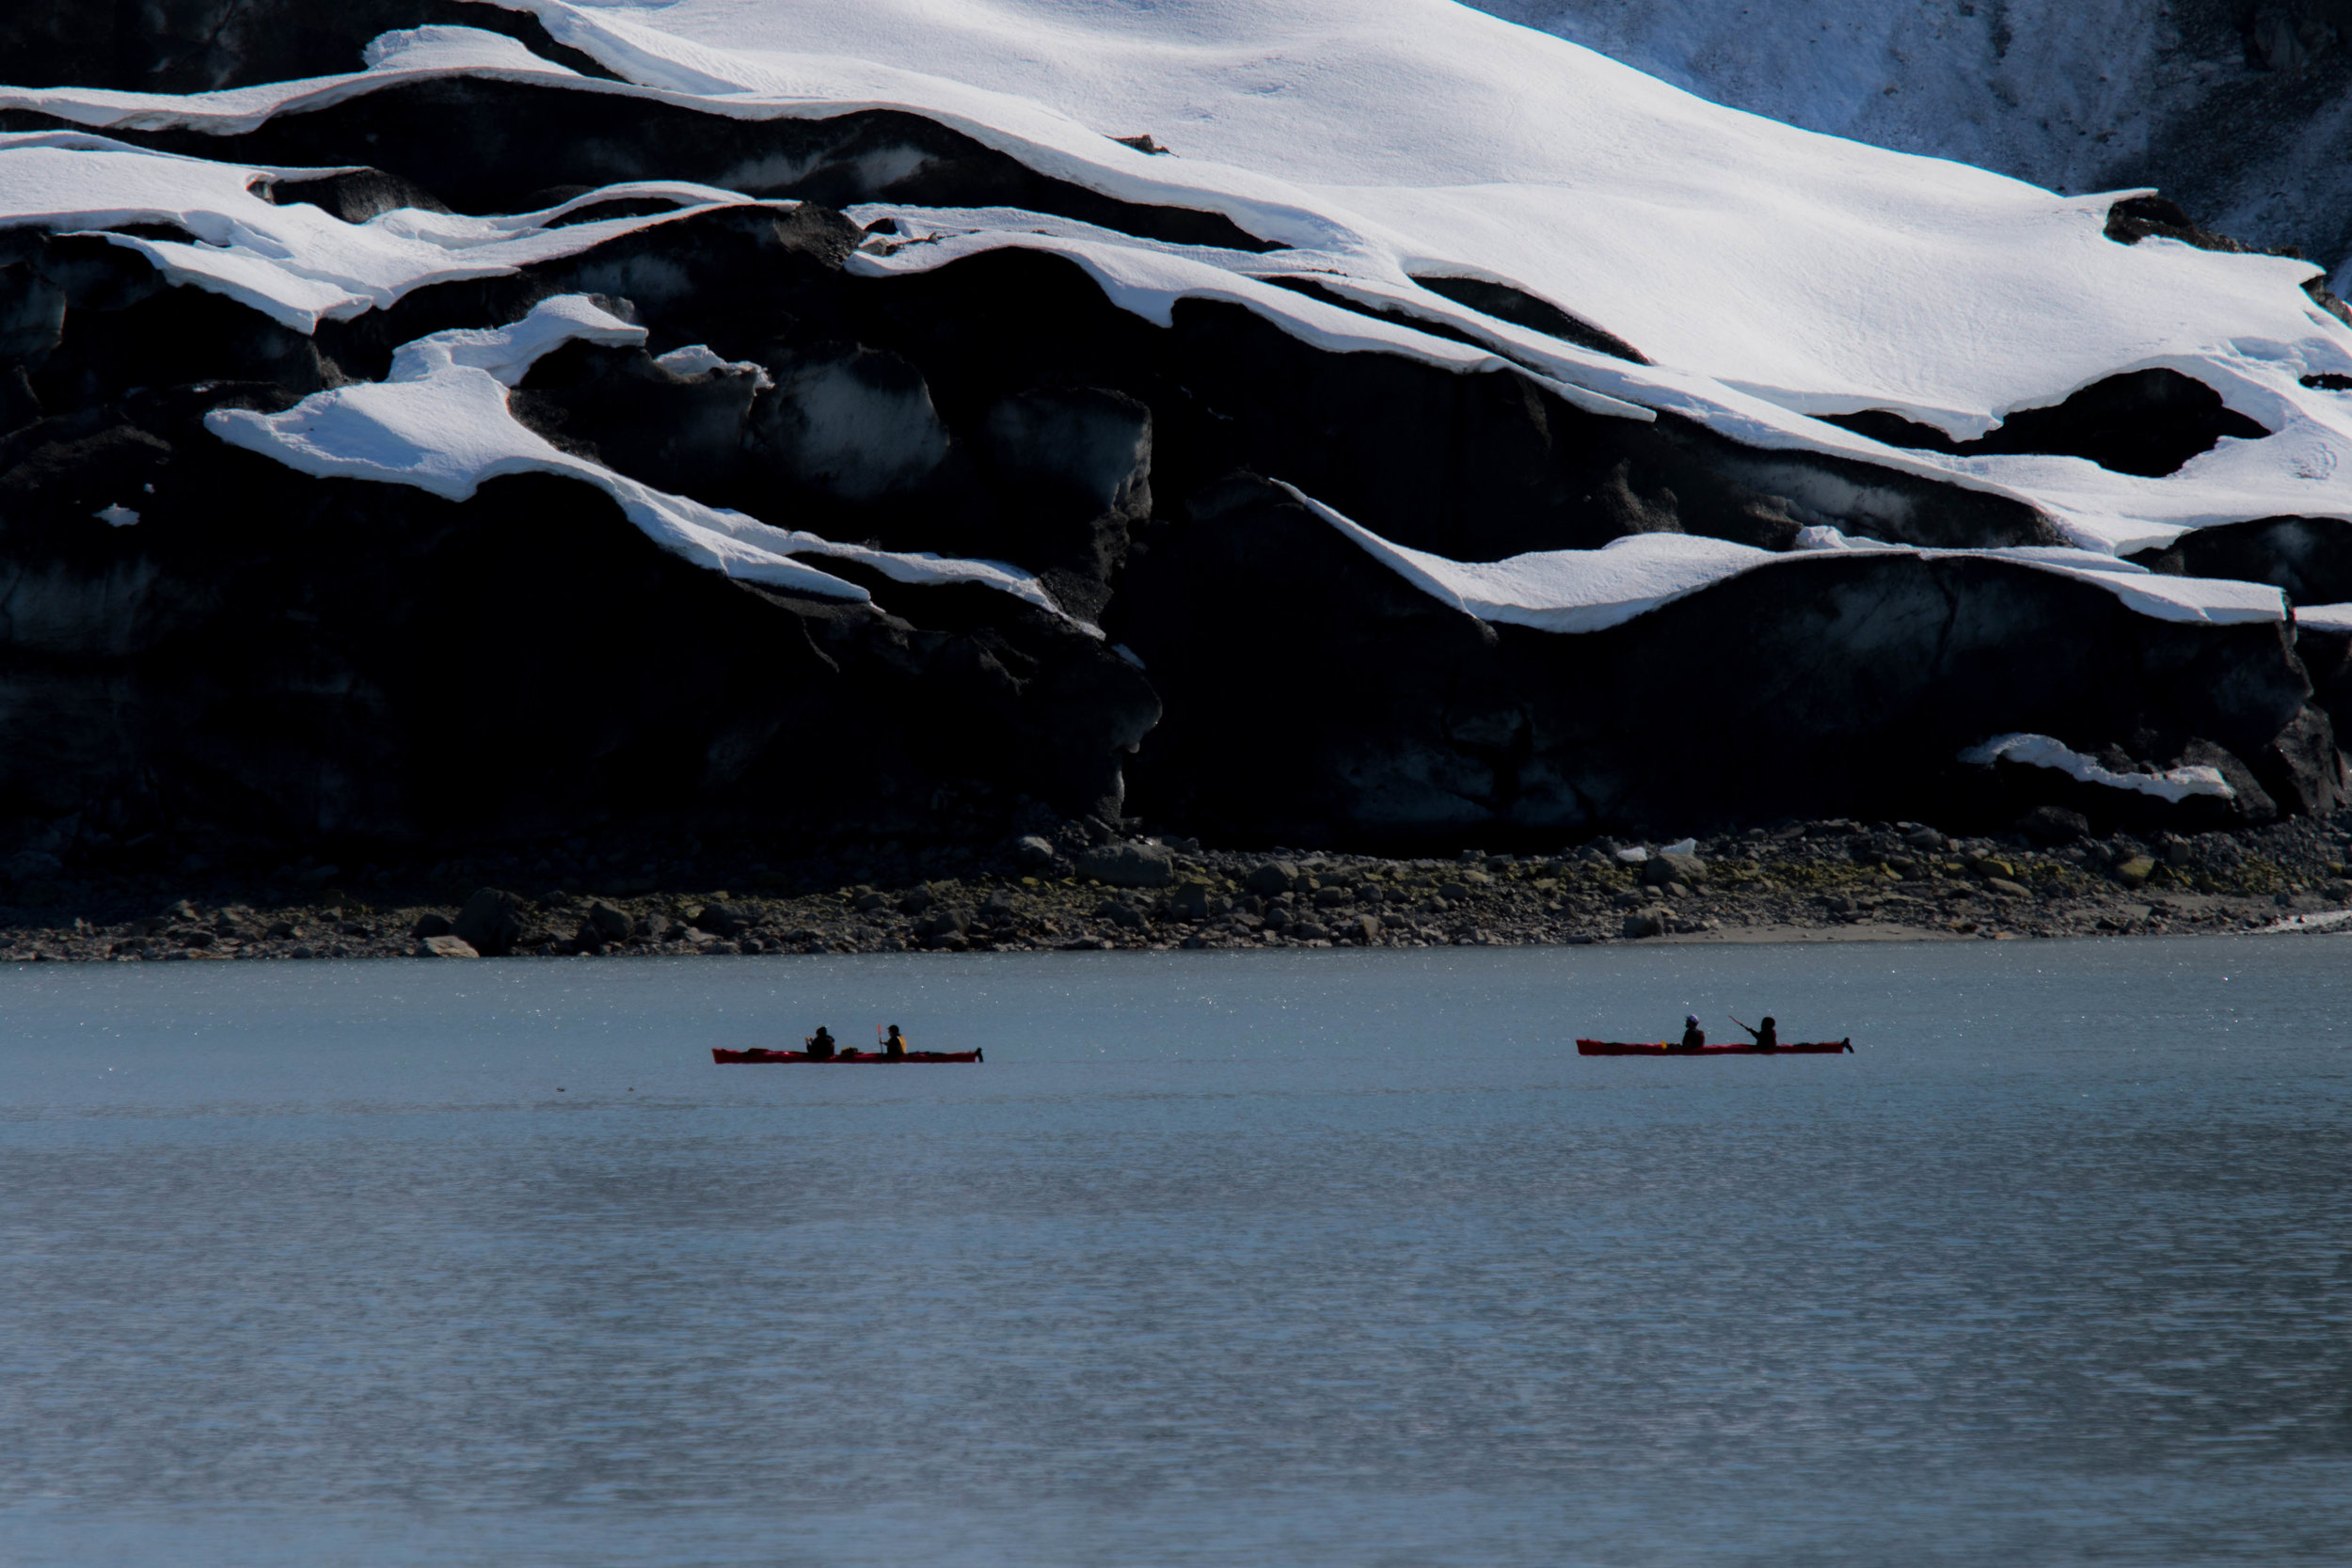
(1770, 274)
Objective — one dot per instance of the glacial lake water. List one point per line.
(1281, 1259)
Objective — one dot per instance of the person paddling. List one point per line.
(1767, 1035)
(1693, 1038)
(820, 1045)
(896, 1045)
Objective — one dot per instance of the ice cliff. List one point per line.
(1287, 422)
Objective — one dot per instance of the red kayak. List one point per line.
(758, 1053)
(1611, 1047)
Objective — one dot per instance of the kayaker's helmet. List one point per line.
(1770, 1020)
(893, 1028)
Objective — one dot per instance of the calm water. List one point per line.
(1258, 1258)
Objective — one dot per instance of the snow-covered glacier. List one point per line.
(1283, 420)
(2240, 108)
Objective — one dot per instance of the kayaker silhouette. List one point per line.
(896, 1044)
(1767, 1035)
(820, 1045)
(1693, 1038)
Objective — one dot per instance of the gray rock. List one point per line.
(1365, 929)
(721, 920)
(1119, 913)
(611, 924)
(1666, 866)
(866, 903)
(1130, 865)
(1271, 878)
(1032, 853)
(1647, 923)
(997, 907)
(1331, 898)
(430, 923)
(915, 902)
(491, 922)
(445, 947)
(1190, 902)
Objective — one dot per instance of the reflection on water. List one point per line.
(1284, 1258)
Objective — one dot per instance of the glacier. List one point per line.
(1670, 365)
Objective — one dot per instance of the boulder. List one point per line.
(1190, 902)
(1270, 878)
(2301, 770)
(1033, 853)
(916, 901)
(1119, 913)
(432, 924)
(1645, 923)
(1667, 866)
(445, 946)
(491, 922)
(727, 921)
(613, 924)
(1129, 864)
(1365, 929)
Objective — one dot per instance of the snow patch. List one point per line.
(2325, 617)
(2041, 751)
(117, 515)
(701, 359)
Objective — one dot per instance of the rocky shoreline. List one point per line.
(1823, 879)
